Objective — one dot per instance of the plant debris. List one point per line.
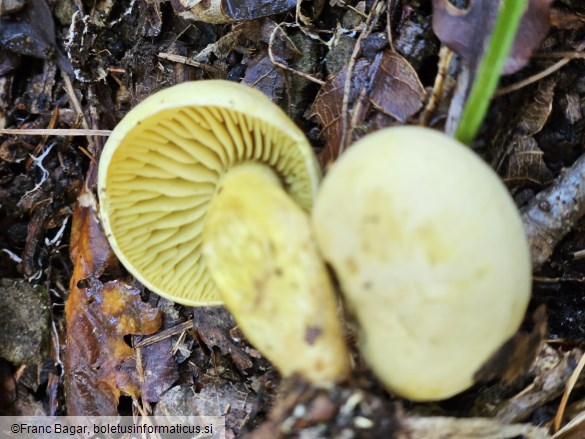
(69, 71)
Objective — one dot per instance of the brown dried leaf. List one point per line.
(99, 365)
(397, 91)
(160, 370)
(328, 104)
(534, 114)
(467, 31)
(215, 327)
(526, 166)
(34, 35)
(262, 76)
(7, 387)
(216, 397)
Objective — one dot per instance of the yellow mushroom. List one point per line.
(431, 255)
(215, 167)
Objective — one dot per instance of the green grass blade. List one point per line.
(490, 68)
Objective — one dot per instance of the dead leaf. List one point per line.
(326, 108)
(466, 31)
(396, 90)
(7, 387)
(99, 365)
(533, 115)
(262, 76)
(160, 370)
(526, 166)
(34, 35)
(225, 11)
(215, 397)
(215, 327)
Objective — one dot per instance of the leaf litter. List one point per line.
(211, 367)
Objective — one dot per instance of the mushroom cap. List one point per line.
(160, 167)
(431, 255)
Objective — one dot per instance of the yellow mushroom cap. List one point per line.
(431, 255)
(160, 167)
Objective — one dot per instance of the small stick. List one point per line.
(532, 79)
(568, 389)
(284, 66)
(188, 61)
(553, 212)
(371, 22)
(54, 132)
(445, 56)
(169, 332)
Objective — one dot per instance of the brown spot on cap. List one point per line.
(311, 334)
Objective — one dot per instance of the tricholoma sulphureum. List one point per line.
(431, 256)
(205, 189)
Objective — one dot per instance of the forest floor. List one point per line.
(80, 66)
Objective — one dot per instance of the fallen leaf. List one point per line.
(466, 31)
(533, 115)
(34, 35)
(160, 370)
(526, 167)
(326, 108)
(396, 89)
(262, 76)
(215, 327)
(99, 364)
(215, 397)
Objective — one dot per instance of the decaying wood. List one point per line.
(553, 213)
(473, 428)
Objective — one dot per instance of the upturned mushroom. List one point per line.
(215, 168)
(431, 256)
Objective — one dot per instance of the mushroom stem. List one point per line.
(259, 251)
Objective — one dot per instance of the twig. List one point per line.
(371, 22)
(441, 427)
(75, 102)
(574, 426)
(532, 79)
(188, 61)
(42, 143)
(552, 213)
(54, 132)
(165, 334)
(563, 54)
(445, 56)
(284, 66)
(568, 389)
(567, 56)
